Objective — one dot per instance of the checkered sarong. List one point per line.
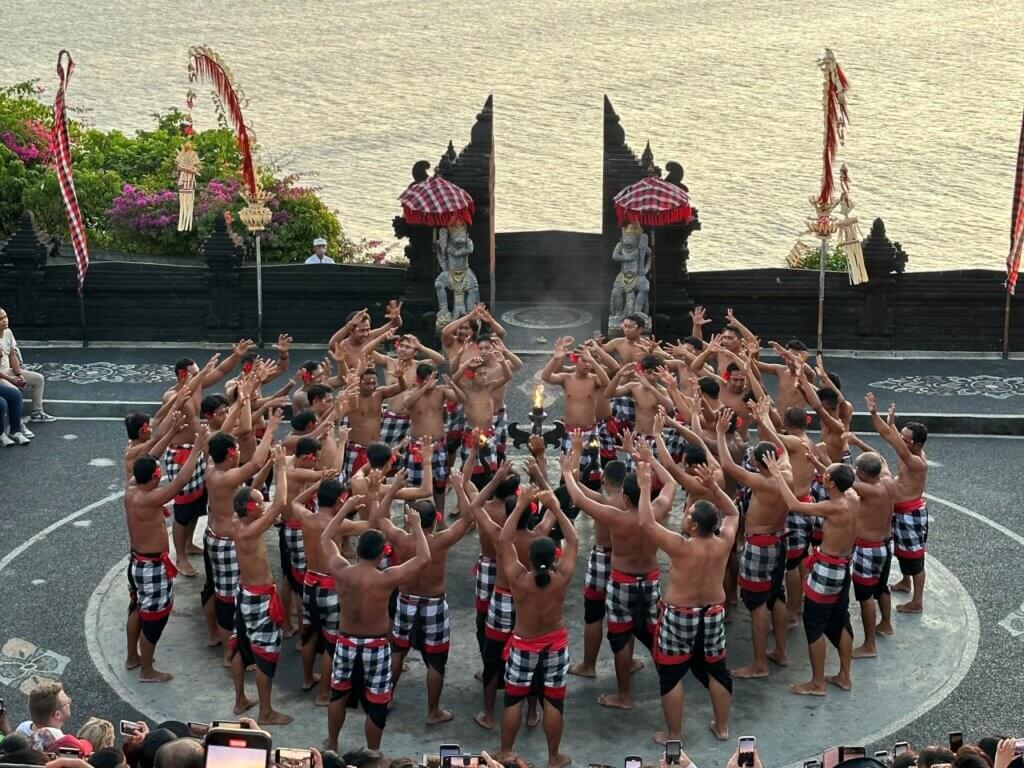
(454, 421)
(630, 597)
(438, 466)
(365, 658)
(258, 619)
(624, 411)
(223, 559)
(151, 585)
(393, 427)
(590, 463)
(355, 458)
(678, 627)
(798, 537)
(501, 615)
(485, 573)
(293, 553)
(827, 577)
(869, 561)
(486, 453)
(910, 529)
(500, 426)
(544, 659)
(174, 459)
(759, 561)
(422, 623)
(320, 608)
(675, 443)
(599, 567)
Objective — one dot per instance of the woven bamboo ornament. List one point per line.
(186, 166)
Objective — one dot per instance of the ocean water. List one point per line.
(355, 92)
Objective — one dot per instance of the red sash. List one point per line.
(163, 557)
(909, 506)
(621, 577)
(276, 609)
(314, 579)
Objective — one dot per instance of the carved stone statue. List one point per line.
(631, 288)
(454, 247)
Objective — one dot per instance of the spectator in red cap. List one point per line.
(84, 747)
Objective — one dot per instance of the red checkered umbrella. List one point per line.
(435, 202)
(652, 202)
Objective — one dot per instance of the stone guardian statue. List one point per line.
(454, 247)
(631, 288)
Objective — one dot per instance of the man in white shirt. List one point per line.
(319, 253)
(50, 708)
(11, 371)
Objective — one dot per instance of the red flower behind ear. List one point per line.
(247, 367)
(306, 376)
(726, 376)
(469, 374)
(574, 358)
(250, 506)
(739, 422)
(639, 367)
(808, 418)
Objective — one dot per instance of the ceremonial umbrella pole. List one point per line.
(256, 216)
(652, 202)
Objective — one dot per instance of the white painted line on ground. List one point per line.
(35, 538)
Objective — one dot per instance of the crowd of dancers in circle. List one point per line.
(773, 518)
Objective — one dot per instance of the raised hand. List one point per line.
(872, 402)
(772, 462)
(535, 444)
(643, 476)
(706, 476)
(242, 346)
(699, 316)
(400, 479)
(724, 420)
(284, 343)
(202, 436)
(412, 520)
(659, 420)
(627, 441)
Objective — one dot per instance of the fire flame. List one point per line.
(538, 397)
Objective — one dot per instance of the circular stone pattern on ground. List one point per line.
(889, 691)
(546, 316)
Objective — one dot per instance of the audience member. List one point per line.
(49, 707)
(72, 742)
(151, 745)
(108, 757)
(12, 370)
(180, 753)
(99, 733)
(930, 756)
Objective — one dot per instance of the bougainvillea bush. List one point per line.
(126, 191)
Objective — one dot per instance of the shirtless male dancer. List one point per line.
(150, 571)
(482, 387)
(763, 558)
(362, 656)
(409, 355)
(223, 480)
(538, 660)
(365, 417)
(347, 343)
(872, 553)
(691, 630)
(910, 522)
(190, 503)
(422, 617)
(634, 585)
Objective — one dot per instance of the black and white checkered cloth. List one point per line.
(759, 560)
(151, 586)
(320, 608)
(677, 632)
(628, 595)
(500, 426)
(501, 615)
(910, 529)
(454, 421)
(869, 561)
(223, 558)
(438, 466)
(355, 457)
(624, 411)
(293, 552)
(599, 567)
(371, 657)
(258, 618)
(393, 427)
(544, 659)
(422, 623)
(174, 459)
(485, 574)
(487, 451)
(827, 577)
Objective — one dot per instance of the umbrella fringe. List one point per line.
(653, 219)
(445, 219)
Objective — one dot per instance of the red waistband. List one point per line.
(817, 556)
(295, 525)
(552, 641)
(763, 539)
(870, 544)
(909, 506)
(806, 498)
(602, 550)
(211, 534)
(353, 641)
(704, 610)
(503, 591)
(163, 557)
(621, 577)
(316, 579)
(259, 589)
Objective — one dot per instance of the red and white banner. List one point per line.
(61, 148)
(1017, 219)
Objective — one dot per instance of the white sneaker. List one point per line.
(5, 440)
(25, 431)
(43, 417)
(19, 438)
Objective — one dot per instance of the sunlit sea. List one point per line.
(355, 92)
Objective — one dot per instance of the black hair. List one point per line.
(930, 756)
(183, 364)
(307, 446)
(370, 544)
(835, 379)
(694, 454)
(352, 314)
(143, 469)
(635, 318)
(631, 489)
(211, 403)
(694, 342)
(732, 367)
(378, 454)
(829, 397)
(843, 476)
(732, 329)
(870, 463)
(918, 432)
(705, 515)
(796, 344)
(241, 500)
(134, 422)
(219, 445)
(427, 511)
(542, 557)
(369, 371)
(709, 386)
(302, 420)
(650, 362)
(615, 473)
(484, 333)
(524, 519)
(507, 487)
(310, 365)
(317, 392)
(108, 757)
(795, 417)
(423, 371)
(328, 493)
(764, 448)
(249, 357)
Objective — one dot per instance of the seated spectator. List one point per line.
(49, 707)
(930, 756)
(99, 733)
(72, 742)
(970, 756)
(151, 745)
(180, 753)
(17, 749)
(108, 757)
(10, 414)
(11, 368)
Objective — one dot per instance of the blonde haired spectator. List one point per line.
(98, 732)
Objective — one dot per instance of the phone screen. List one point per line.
(845, 753)
(746, 745)
(129, 728)
(464, 761)
(830, 757)
(199, 730)
(673, 749)
(900, 747)
(633, 762)
(293, 758)
(956, 740)
(448, 751)
(1018, 747)
(218, 756)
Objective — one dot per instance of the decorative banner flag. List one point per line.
(61, 149)
(1016, 219)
